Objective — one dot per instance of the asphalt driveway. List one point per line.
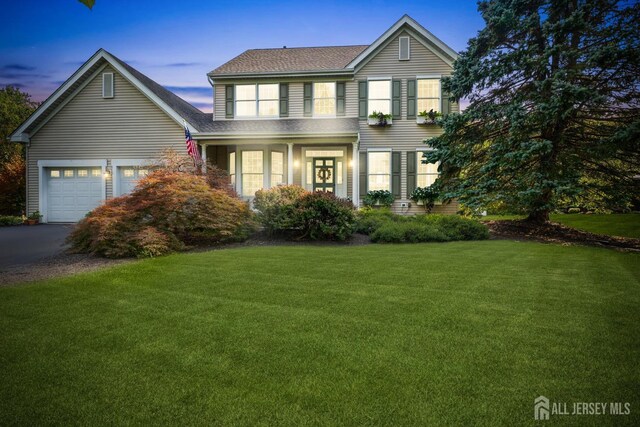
(23, 245)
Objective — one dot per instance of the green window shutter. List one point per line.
(284, 99)
(411, 171)
(395, 174)
(308, 99)
(445, 103)
(362, 99)
(395, 99)
(363, 174)
(228, 104)
(340, 99)
(411, 98)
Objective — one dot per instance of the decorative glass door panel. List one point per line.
(324, 172)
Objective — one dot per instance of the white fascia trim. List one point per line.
(58, 92)
(100, 54)
(67, 100)
(152, 96)
(429, 76)
(415, 26)
(379, 150)
(378, 78)
(205, 136)
(42, 194)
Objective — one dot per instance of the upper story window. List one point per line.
(257, 100)
(324, 99)
(428, 95)
(379, 94)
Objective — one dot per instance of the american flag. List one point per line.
(192, 148)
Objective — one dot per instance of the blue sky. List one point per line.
(177, 42)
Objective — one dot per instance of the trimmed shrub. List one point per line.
(167, 211)
(276, 207)
(291, 210)
(6, 220)
(323, 216)
(408, 232)
(369, 220)
(456, 227)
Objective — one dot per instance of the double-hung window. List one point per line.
(277, 168)
(324, 99)
(257, 100)
(428, 95)
(379, 170)
(426, 173)
(252, 172)
(379, 94)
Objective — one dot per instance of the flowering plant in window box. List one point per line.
(380, 119)
(428, 117)
(378, 198)
(425, 196)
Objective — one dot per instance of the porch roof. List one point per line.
(280, 128)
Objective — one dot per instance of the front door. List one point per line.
(324, 169)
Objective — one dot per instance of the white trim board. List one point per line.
(20, 136)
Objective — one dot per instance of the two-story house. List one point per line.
(280, 116)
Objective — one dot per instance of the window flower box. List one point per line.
(379, 119)
(428, 117)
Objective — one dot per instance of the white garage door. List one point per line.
(129, 176)
(72, 192)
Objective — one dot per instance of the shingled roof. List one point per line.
(339, 125)
(289, 60)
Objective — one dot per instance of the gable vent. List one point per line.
(107, 85)
(404, 51)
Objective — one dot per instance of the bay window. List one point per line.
(252, 172)
(324, 99)
(257, 100)
(428, 95)
(379, 170)
(379, 95)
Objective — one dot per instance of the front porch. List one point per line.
(320, 165)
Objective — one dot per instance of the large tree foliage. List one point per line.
(554, 104)
(15, 107)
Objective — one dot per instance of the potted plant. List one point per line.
(428, 117)
(425, 196)
(34, 218)
(378, 198)
(380, 119)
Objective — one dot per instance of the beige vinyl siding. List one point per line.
(128, 126)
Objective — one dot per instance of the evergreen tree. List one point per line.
(554, 91)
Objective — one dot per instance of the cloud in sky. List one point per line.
(18, 67)
(182, 64)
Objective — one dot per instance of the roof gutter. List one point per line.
(347, 72)
(228, 136)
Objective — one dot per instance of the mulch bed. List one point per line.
(557, 233)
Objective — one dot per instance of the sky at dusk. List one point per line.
(177, 42)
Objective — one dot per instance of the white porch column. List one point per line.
(204, 157)
(355, 185)
(290, 163)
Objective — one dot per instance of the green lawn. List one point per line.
(465, 333)
(624, 225)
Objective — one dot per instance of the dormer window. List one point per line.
(404, 49)
(257, 100)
